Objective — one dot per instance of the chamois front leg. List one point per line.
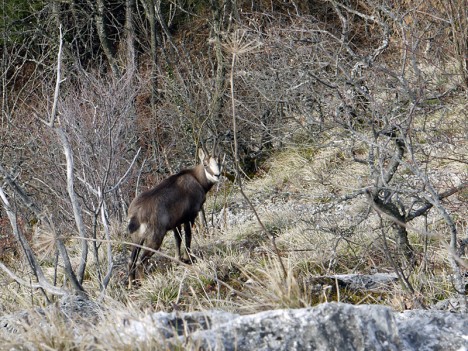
(188, 241)
(178, 240)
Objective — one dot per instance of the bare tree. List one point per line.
(316, 78)
(93, 138)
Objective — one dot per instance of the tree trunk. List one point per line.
(130, 36)
(148, 6)
(216, 104)
(103, 37)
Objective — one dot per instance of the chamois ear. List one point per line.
(201, 154)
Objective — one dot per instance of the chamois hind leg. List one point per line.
(132, 265)
(153, 244)
(137, 233)
(178, 240)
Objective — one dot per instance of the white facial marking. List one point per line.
(212, 176)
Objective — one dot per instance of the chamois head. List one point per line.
(210, 164)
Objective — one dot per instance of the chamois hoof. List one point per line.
(133, 283)
(189, 260)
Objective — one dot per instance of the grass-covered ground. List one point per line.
(237, 269)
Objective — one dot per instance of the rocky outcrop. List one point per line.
(331, 326)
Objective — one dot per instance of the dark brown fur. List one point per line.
(175, 201)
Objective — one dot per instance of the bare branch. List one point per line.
(74, 202)
(25, 199)
(421, 211)
(116, 185)
(57, 82)
(110, 263)
(47, 287)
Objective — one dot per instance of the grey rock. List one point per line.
(331, 326)
(369, 282)
(327, 327)
(170, 325)
(433, 330)
(453, 305)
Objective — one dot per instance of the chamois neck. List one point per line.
(200, 174)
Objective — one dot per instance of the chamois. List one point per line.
(173, 202)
